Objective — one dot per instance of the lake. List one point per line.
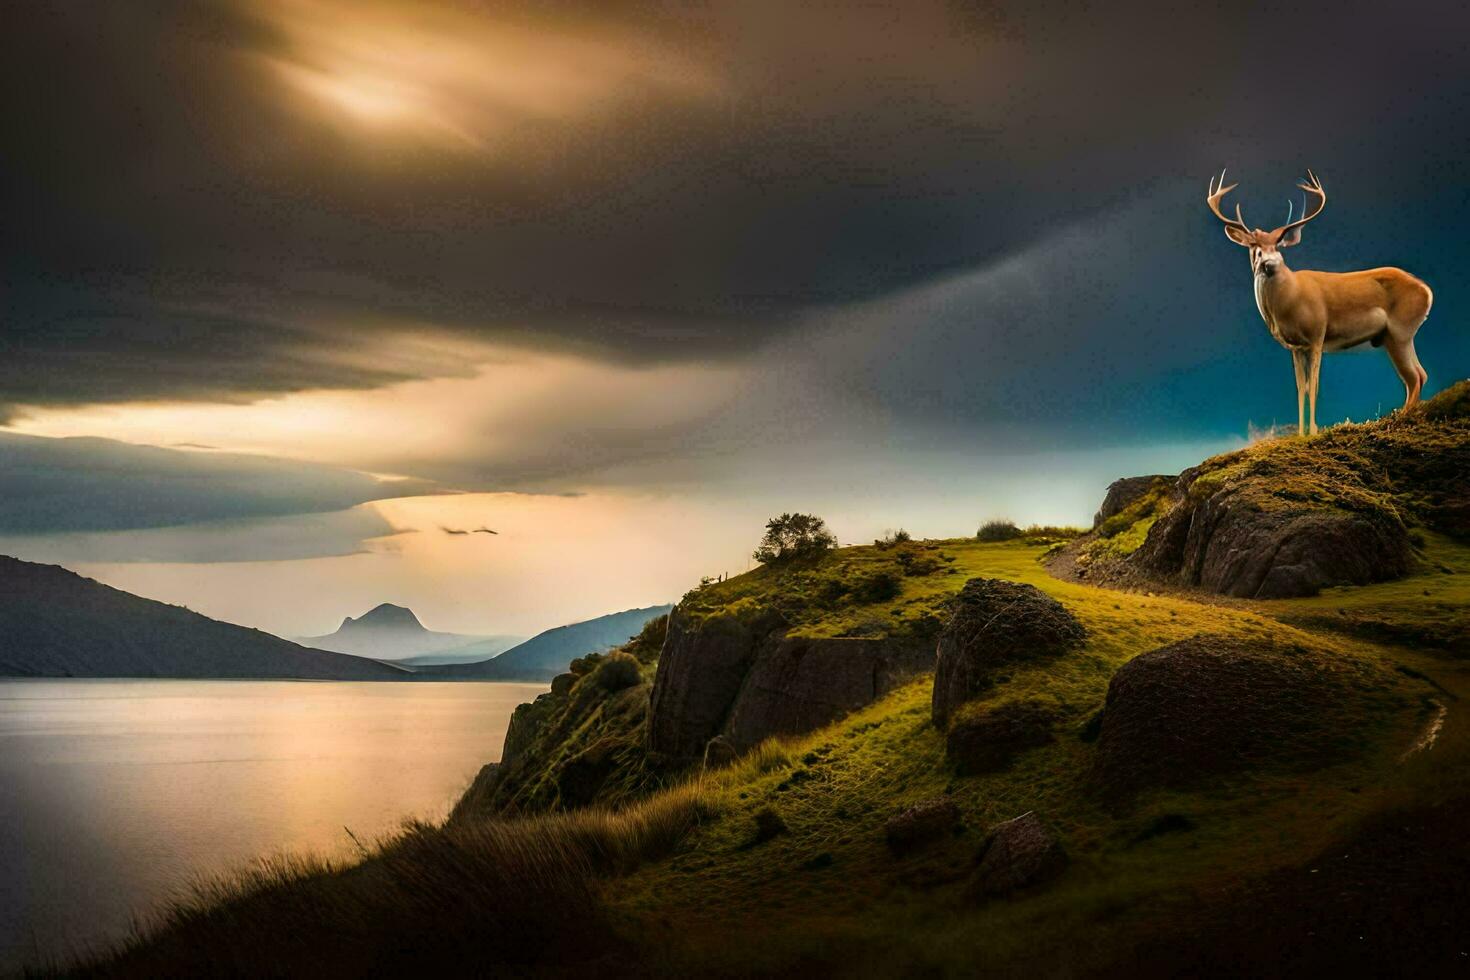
(113, 793)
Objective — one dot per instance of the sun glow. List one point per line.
(464, 76)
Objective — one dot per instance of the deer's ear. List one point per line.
(1289, 238)
(1237, 236)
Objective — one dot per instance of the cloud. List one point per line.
(1129, 327)
(633, 185)
(56, 486)
(295, 537)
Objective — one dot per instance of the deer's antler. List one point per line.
(1219, 190)
(1312, 186)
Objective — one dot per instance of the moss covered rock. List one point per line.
(993, 623)
(1210, 705)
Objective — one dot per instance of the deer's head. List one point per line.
(1265, 246)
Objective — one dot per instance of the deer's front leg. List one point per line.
(1314, 375)
(1299, 365)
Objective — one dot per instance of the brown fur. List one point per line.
(1311, 313)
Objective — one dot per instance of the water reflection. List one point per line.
(113, 793)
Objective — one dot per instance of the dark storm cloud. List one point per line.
(176, 225)
(52, 486)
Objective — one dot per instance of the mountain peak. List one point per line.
(385, 615)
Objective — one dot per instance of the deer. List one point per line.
(1311, 312)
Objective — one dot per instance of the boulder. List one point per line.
(561, 684)
(995, 623)
(1210, 705)
(984, 739)
(1123, 492)
(921, 824)
(798, 684)
(1017, 854)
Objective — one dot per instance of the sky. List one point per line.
(292, 290)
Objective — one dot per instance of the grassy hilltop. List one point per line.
(781, 862)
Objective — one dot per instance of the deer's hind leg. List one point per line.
(1406, 363)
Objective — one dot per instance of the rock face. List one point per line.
(801, 684)
(1018, 854)
(989, 739)
(1218, 536)
(700, 673)
(994, 623)
(921, 824)
(745, 680)
(1123, 492)
(1208, 705)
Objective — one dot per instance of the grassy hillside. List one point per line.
(827, 892)
(782, 862)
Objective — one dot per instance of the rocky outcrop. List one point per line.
(988, 739)
(1018, 854)
(920, 825)
(1210, 705)
(745, 680)
(1222, 536)
(994, 623)
(700, 673)
(1124, 492)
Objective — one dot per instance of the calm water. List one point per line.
(114, 792)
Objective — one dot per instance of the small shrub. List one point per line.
(998, 531)
(618, 670)
(878, 586)
(584, 665)
(891, 538)
(917, 562)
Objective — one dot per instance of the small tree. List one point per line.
(794, 536)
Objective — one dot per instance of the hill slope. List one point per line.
(547, 654)
(389, 632)
(55, 623)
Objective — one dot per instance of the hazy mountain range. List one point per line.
(389, 632)
(55, 623)
(547, 654)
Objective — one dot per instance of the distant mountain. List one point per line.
(547, 654)
(389, 632)
(55, 623)
(473, 653)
